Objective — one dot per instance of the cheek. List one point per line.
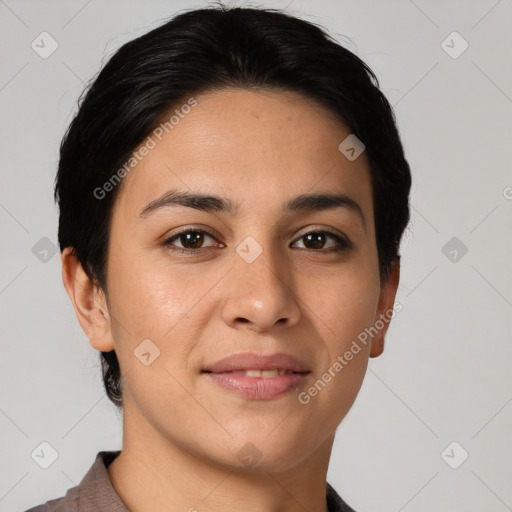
(147, 297)
(347, 305)
(152, 304)
(338, 379)
(348, 311)
(161, 302)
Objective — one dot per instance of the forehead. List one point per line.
(250, 146)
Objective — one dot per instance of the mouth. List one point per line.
(258, 377)
(251, 361)
(265, 374)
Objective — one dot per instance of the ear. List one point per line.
(89, 302)
(385, 307)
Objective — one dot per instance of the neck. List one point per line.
(157, 474)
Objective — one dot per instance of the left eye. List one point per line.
(317, 238)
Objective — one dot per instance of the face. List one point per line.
(271, 274)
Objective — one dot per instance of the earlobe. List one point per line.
(385, 308)
(377, 345)
(88, 301)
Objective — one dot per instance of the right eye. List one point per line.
(191, 240)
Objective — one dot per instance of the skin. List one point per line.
(182, 432)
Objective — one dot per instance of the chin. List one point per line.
(265, 453)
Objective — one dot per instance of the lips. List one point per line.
(248, 363)
(257, 376)
(268, 374)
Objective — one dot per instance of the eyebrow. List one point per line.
(209, 203)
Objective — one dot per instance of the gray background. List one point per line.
(445, 374)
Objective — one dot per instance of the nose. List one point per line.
(259, 295)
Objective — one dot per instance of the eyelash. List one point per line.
(343, 244)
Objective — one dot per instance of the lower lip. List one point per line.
(258, 388)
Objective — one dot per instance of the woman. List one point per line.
(232, 193)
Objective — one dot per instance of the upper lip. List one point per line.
(254, 361)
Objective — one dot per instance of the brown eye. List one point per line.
(316, 240)
(190, 240)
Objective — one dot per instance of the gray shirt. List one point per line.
(95, 493)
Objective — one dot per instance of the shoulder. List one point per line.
(67, 503)
(94, 489)
(56, 505)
